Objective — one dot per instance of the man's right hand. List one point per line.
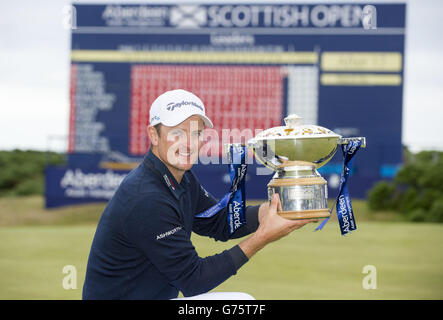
(272, 227)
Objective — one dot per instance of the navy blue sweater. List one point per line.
(142, 247)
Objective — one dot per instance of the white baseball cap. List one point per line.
(173, 107)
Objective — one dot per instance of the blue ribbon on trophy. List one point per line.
(345, 214)
(234, 200)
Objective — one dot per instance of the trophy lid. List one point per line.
(294, 142)
(296, 129)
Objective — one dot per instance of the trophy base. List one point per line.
(304, 214)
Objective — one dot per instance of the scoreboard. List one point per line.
(338, 65)
(241, 97)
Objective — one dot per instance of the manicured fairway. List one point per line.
(306, 265)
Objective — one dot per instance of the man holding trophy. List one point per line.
(142, 246)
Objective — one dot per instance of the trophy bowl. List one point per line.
(295, 152)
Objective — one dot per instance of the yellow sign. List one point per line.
(195, 57)
(361, 61)
(360, 79)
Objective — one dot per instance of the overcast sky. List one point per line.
(34, 72)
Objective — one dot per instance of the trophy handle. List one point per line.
(254, 145)
(227, 149)
(347, 140)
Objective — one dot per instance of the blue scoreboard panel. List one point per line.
(337, 65)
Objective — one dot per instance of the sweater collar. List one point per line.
(157, 165)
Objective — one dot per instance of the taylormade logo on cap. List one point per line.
(175, 106)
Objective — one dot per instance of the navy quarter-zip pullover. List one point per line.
(142, 246)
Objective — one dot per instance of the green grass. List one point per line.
(15, 211)
(30, 211)
(324, 265)
(32, 260)
(408, 257)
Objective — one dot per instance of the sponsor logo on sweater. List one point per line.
(168, 233)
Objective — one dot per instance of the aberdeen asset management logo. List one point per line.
(188, 16)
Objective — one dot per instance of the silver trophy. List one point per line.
(295, 152)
